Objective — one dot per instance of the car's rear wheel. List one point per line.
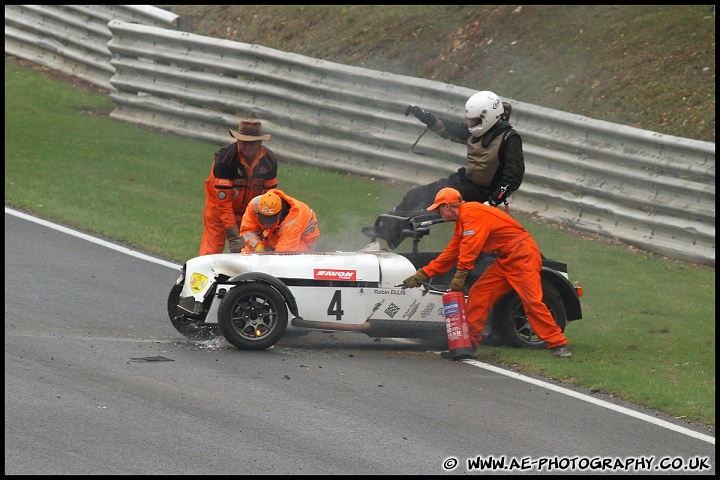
(189, 326)
(512, 324)
(253, 316)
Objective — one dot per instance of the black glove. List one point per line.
(414, 280)
(499, 196)
(458, 282)
(425, 117)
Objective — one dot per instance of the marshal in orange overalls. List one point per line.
(233, 181)
(288, 225)
(482, 228)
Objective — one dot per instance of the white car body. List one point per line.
(344, 288)
(253, 298)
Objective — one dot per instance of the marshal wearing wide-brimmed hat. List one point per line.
(241, 171)
(249, 131)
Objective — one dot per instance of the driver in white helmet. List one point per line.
(495, 162)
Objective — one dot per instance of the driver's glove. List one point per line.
(425, 117)
(414, 280)
(458, 281)
(499, 196)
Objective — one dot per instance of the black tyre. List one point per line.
(512, 324)
(189, 326)
(253, 316)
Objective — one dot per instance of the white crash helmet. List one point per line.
(482, 111)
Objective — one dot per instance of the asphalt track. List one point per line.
(98, 382)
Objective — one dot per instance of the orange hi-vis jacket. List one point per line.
(482, 228)
(296, 230)
(232, 183)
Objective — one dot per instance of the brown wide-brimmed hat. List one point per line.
(249, 131)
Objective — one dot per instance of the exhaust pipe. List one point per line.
(300, 322)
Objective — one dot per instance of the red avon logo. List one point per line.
(345, 275)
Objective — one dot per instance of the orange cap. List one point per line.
(269, 207)
(446, 195)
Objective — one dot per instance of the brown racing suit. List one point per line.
(232, 183)
(482, 228)
(296, 229)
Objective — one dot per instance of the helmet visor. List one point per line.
(474, 122)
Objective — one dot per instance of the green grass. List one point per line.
(648, 332)
(139, 186)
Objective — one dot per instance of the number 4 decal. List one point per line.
(335, 307)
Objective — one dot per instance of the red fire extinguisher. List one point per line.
(458, 333)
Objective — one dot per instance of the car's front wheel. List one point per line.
(192, 328)
(253, 316)
(512, 323)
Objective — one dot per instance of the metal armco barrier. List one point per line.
(650, 190)
(73, 38)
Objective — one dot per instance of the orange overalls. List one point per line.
(232, 183)
(481, 228)
(296, 231)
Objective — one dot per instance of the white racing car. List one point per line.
(254, 298)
